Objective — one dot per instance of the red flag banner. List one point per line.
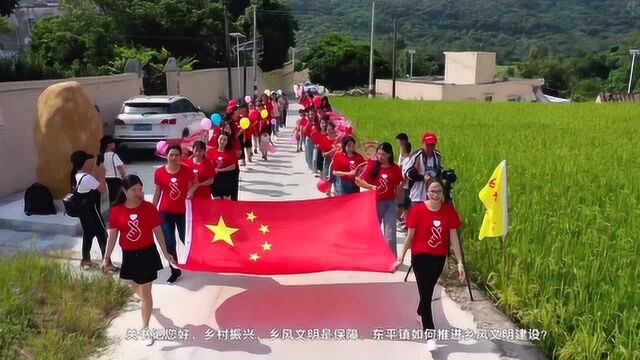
(290, 237)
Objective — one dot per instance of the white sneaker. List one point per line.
(431, 345)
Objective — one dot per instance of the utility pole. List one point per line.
(228, 48)
(411, 52)
(255, 60)
(237, 36)
(633, 63)
(293, 57)
(373, 15)
(393, 60)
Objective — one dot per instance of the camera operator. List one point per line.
(422, 166)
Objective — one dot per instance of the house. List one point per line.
(468, 76)
(21, 22)
(617, 97)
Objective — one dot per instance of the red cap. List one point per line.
(429, 138)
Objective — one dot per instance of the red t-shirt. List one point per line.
(304, 121)
(387, 180)
(174, 188)
(432, 228)
(325, 144)
(221, 159)
(306, 102)
(135, 225)
(309, 129)
(203, 171)
(344, 163)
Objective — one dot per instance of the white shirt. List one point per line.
(111, 163)
(87, 184)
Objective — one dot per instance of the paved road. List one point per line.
(310, 316)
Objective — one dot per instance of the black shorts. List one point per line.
(245, 144)
(141, 266)
(223, 184)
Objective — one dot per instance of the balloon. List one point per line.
(244, 123)
(247, 99)
(267, 92)
(233, 103)
(272, 149)
(230, 109)
(216, 119)
(264, 114)
(161, 146)
(254, 115)
(273, 121)
(206, 123)
(279, 92)
(323, 185)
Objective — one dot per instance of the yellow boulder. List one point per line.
(67, 122)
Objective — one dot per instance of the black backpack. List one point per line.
(76, 203)
(38, 201)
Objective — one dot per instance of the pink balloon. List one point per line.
(161, 145)
(247, 99)
(273, 149)
(323, 185)
(205, 124)
(273, 121)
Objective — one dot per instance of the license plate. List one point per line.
(142, 127)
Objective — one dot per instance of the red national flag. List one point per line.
(290, 237)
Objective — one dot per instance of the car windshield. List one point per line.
(146, 108)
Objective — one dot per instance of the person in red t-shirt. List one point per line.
(344, 166)
(263, 127)
(432, 225)
(244, 135)
(224, 162)
(173, 182)
(134, 222)
(300, 137)
(385, 178)
(309, 147)
(203, 172)
(318, 136)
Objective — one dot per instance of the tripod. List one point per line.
(448, 195)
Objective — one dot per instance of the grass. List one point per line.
(48, 313)
(570, 264)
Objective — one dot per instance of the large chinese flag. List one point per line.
(339, 233)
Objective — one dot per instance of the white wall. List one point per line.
(205, 88)
(18, 115)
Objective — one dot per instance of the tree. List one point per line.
(587, 90)
(184, 27)
(81, 36)
(276, 27)
(7, 7)
(338, 63)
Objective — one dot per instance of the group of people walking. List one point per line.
(408, 191)
(409, 194)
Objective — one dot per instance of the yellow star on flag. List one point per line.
(251, 216)
(254, 257)
(266, 246)
(222, 232)
(264, 229)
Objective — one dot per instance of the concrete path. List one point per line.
(330, 315)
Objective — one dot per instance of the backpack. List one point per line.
(76, 203)
(38, 201)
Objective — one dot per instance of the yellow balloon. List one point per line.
(244, 123)
(264, 114)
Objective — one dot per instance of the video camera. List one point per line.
(448, 177)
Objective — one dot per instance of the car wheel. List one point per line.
(185, 133)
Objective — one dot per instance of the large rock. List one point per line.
(67, 122)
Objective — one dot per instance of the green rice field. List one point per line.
(570, 263)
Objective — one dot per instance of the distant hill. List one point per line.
(508, 27)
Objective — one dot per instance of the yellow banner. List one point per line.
(494, 198)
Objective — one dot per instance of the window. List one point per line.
(146, 108)
(488, 98)
(190, 107)
(514, 99)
